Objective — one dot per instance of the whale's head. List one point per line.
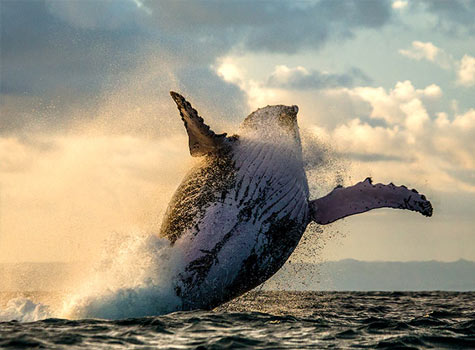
(271, 122)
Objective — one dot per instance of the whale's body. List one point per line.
(244, 227)
(239, 214)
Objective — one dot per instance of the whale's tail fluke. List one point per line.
(364, 196)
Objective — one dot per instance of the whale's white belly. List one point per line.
(256, 225)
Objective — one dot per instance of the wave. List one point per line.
(271, 320)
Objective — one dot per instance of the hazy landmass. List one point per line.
(343, 275)
(354, 275)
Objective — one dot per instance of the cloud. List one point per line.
(69, 58)
(401, 104)
(278, 26)
(399, 4)
(439, 154)
(393, 134)
(432, 91)
(428, 51)
(421, 50)
(465, 121)
(61, 64)
(299, 78)
(317, 98)
(465, 68)
(104, 14)
(437, 147)
(454, 139)
(219, 99)
(453, 17)
(375, 157)
(376, 126)
(466, 71)
(44, 56)
(358, 137)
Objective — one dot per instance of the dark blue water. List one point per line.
(274, 320)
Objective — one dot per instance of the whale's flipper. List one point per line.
(202, 140)
(364, 196)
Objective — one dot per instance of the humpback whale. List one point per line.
(241, 211)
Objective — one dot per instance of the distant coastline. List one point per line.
(355, 275)
(343, 275)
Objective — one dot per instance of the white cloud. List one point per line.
(465, 68)
(432, 91)
(400, 104)
(465, 121)
(410, 146)
(257, 93)
(230, 72)
(466, 71)
(427, 51)
(282, 73)
(455, 141)
(421, 50)
(439, 149)
(359, 137)
(416, 115)
(399, 4)
(441, 152)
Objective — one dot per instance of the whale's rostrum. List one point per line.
(241, 211)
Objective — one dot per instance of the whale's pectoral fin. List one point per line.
(202, 140)
(364, 196)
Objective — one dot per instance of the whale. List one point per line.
(242, 209)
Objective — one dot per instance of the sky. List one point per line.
(92, 147)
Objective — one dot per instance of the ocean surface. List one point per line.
(274, 320)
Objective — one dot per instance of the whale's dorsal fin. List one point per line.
(364, 196)
(202, 140)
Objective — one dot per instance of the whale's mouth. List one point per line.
(290, 112)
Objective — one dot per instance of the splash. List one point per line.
(133, 280)
(325, 170)
(24, 310)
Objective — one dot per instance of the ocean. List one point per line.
(273, 320)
